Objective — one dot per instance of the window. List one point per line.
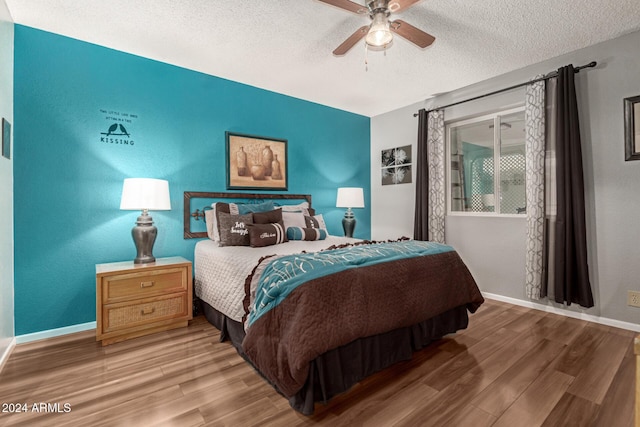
(486, 164)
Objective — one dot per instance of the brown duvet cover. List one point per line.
(334, 310)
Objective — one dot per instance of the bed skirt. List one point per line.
(336, 371)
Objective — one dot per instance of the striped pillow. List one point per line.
(266, 234)
(315, 221)
(299, 233)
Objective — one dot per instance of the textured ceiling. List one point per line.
(285, 45)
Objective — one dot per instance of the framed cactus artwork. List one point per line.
(256, 162)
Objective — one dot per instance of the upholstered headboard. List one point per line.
(204, 200)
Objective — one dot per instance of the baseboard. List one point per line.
(51, 333)
(568, 313)
(5, 356)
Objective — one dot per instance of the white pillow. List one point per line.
(302, 207)
(293, 219)
(210, 219)
(320, 220)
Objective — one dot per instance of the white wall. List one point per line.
(392, 206)
(494, 248)
(6, 187)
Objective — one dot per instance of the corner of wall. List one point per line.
(4, 354)
(7, 319)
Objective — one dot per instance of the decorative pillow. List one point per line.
(212, 220)
(269, 217)
(311, 222)
(293, 219)
(266, 234)
(298, 233)
(233, 229)
(245, 208)
(301, 207)
(316, 221)
(218, 208)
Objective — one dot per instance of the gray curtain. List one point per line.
(571, 275)
(421, 219)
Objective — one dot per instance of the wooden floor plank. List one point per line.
(472, 416)
(567, 330)
(579, 411)
(536, 403)
(511, 366)
(593, 381)
(579, 353)
(444, 375)
(496, 398)
(617, 409)
(487, 327)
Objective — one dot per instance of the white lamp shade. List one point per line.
(145, 193)
(350, 197)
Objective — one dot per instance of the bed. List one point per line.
(316, 316)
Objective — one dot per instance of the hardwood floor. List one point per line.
(512, 367)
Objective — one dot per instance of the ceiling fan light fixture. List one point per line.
(379, 34)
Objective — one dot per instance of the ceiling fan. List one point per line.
(378, 35)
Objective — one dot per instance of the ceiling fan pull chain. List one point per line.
(366, 57)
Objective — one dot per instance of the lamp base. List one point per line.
(349, 223)
(144, 236)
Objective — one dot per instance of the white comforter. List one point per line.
(220, 272)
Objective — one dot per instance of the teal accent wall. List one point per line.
(67, 181)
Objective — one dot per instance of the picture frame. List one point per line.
(395, 164)
(256, 162)
(6, 138)
(632, 128)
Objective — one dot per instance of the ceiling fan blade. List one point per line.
(351, 41)
(411, 33)
(400, 5)
(347, 5)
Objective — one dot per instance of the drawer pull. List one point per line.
(146, 284)
(147, 310)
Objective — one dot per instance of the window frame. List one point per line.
(497, 145)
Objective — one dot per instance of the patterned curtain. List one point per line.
(435, 149)
(534, 116)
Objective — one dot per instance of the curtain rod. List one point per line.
(545, 77)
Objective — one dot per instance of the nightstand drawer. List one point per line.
(129, 315)
(143, 284)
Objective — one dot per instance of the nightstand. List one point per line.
(133, 300)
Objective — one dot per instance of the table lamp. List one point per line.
(349, 197)
(145, 194)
